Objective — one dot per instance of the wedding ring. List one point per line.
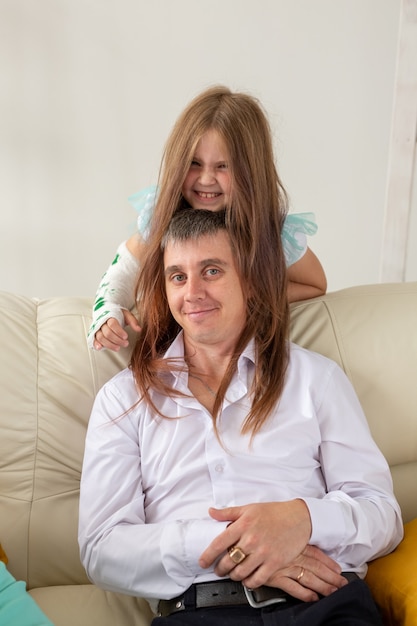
(236, 554)
(301, 574)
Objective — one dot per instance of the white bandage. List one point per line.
(115, 292)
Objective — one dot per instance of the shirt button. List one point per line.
(219, 468)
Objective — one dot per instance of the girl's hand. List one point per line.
(112, 335)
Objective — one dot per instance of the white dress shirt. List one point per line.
(147, 481)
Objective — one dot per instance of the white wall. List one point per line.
(90, 90)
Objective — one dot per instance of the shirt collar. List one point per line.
(245, 363)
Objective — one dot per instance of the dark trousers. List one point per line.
(352, 605)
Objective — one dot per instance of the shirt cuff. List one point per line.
(328, 522)
(183, 544)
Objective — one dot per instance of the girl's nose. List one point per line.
(207, 176)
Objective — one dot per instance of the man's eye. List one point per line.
(177, 278)
(212, 271)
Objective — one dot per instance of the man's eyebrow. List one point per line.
(172, 268)
(211, 261)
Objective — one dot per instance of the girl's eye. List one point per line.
(223, 166)
(195, 163)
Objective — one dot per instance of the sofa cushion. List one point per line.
(393, 581)
(87, 605)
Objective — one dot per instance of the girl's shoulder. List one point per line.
(294, 235)
(143, 202)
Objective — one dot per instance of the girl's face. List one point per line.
(208, 182)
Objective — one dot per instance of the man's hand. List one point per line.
(312, 573)
(271, 534)
(274, 536)
(112, 335)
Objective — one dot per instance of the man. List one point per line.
(228, 474)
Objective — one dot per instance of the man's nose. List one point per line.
(195, 288)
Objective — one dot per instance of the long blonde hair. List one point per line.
(254, 219)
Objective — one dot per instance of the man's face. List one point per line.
(204, 291)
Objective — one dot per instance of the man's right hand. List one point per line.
(112, 335)
(274, 536)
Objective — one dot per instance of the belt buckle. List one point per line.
(255, 604)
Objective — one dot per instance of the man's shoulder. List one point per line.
(122, 383)
(310, 358)
(125, 376)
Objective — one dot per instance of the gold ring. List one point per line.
(301, 574)
(236, 554)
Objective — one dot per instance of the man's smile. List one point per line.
(200, 314)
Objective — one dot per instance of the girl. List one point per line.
(219, 155)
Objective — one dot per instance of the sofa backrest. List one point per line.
(49, 379)
(371, 331)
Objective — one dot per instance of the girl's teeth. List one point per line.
(208, 195)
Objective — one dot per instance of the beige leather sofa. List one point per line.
(48, 381)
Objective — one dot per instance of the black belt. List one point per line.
(226, 592)
(222, 593)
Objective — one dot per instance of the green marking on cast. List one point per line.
(99, 303)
